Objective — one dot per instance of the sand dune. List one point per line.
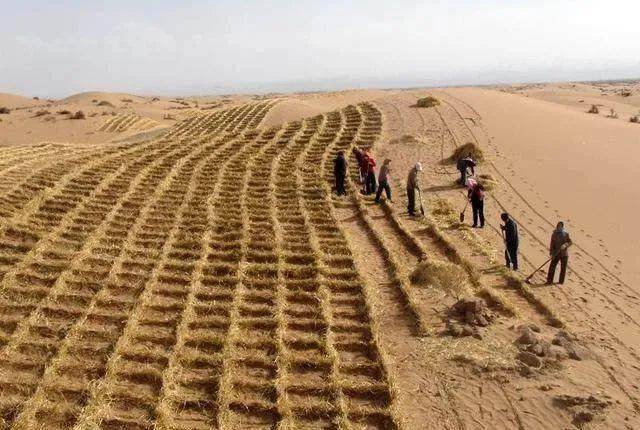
(575, 166)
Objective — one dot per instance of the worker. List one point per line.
(413, 183)
(510, 229)
(383, 181)
(476, 197)
(463, 165)
(370, 173)
(359, 155)
(558, 250)
(340, 172)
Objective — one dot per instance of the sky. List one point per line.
(181, 47)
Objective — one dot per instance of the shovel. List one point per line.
(528, 279)
(421, 205)
(507, 257)
(463, 211)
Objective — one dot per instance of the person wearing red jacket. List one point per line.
(476, 197)
(370, 173)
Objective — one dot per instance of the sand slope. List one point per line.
(573, 166)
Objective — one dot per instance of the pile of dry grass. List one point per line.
(447, 277)
(78, 115)
(468, 149)
(427, 102)
(106, 103)
(5, 110)
(488, 181)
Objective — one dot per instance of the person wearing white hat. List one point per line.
(413, 183)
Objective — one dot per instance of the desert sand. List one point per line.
(182, 263)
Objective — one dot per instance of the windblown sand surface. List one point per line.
(183, 263)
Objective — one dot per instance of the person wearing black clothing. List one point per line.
(463, 165)
(559, 253)
(476, 197)
(510, 229)
(340, 172)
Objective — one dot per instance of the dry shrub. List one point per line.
(446, 277)
(64, 112)
(36, 98)
(635, 119)
(50, 119)
(427, 102)
(126, 100)
(78, 115)
(468, 149)
(5, 110)
(42, 113)
(106, 103)
(155, 99)
(594, 109)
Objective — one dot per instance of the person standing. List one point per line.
(558, 250)
(340, 173)
(463, 165)
(413, 183)
(383, 181)
(359, 154)
(370, 173)
(476, 197)
(510, 229)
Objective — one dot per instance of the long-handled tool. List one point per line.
(421, 205)
(528, 279)
(463, 211)
(507, 257)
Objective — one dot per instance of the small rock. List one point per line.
(530, 326)
(529, 359)
(578, 352)
(469, 317)
(528, 337)
(455, 330)
(538, 350)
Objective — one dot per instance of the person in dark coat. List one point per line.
(340, 173)
(383, 181)
(558, 250)
(463, 165)
(476, 197)
(510, 229)
(359, 155)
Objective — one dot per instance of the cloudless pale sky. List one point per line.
(56, 48)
